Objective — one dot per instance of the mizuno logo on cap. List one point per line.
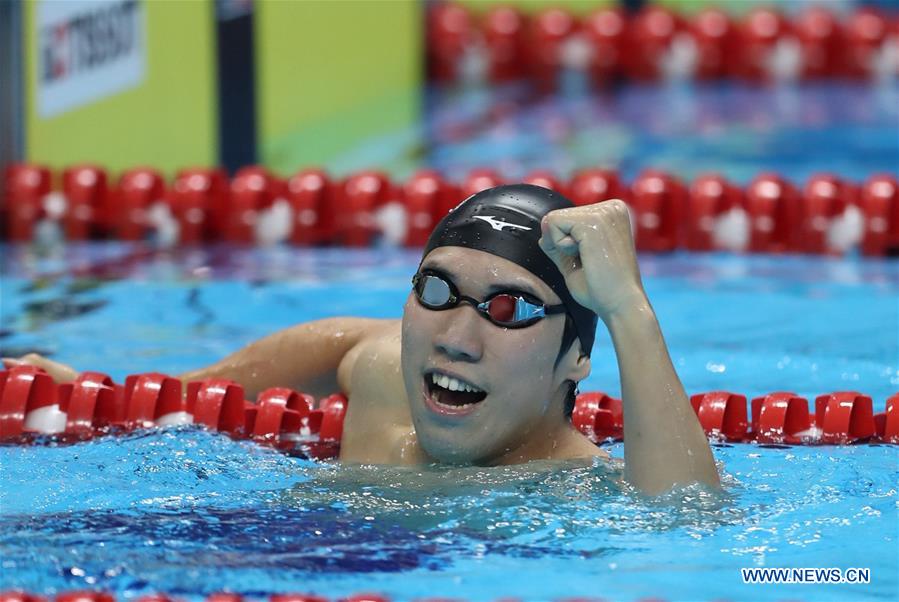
(497, 224)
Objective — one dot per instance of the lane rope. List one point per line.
(609, 45)
(826, 215)
(36, 410)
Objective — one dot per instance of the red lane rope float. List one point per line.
(826, 215)
(93, 596)
(655, 43)
(32, 405)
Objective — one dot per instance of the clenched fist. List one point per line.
(593, 247)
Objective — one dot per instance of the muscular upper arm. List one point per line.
(305, 357)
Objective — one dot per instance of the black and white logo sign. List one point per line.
(87, 50)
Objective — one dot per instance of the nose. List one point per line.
(461, 338)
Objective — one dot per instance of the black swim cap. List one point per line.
(505, 221)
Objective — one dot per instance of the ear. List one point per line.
(576, 364)
(583, 367)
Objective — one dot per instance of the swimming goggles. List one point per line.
(507, 309)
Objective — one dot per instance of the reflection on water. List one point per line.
(735, 129)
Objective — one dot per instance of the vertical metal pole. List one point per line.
(236, 83)
(632, 6)
(12, 114)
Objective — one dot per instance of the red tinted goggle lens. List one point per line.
(501, 308)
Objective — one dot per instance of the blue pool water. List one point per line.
(736, 130)
(189, 512)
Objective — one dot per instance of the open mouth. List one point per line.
(452, 392)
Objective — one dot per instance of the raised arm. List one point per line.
(664, 444)
(304, 357)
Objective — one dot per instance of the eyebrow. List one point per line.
(519, 286)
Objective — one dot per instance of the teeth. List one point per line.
(455, 407)
(448, 382)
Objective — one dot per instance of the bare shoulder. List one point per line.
(378, 422)
(575, 445)
(381, 344)
(587, 449)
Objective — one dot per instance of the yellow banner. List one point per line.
(120, 83)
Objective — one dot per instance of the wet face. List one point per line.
(479, 391)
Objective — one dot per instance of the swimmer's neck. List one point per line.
(559, 442)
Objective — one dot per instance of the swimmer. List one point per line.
(496, 334)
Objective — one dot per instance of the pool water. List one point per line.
(851, 130)
(189, 512)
